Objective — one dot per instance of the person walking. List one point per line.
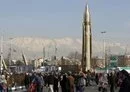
(65, 84)
(56, 80)
(103, 82)
(71, 81)
(26, 80)
(81, 83)
(97, 78)
(112, 81)
(3, 84)
(51, 82)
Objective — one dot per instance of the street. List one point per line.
(87, 89)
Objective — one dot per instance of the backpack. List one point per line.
(81, 81)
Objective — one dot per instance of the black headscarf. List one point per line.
(124, 72)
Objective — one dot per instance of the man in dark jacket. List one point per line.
(56, 80)
(27, 80)
(112, 81)
(51, 82)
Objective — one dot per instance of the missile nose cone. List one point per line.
(87, 10)
(87, 14)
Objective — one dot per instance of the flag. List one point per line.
(4, 65)
(24, 59)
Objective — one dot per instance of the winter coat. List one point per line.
(71, 80)
(125, 86)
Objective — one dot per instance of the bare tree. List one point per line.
(75, 55)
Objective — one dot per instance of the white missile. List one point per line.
(87, 38)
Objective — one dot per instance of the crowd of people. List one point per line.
(36, 82)
(73, 82)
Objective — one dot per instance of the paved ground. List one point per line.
(88, 89)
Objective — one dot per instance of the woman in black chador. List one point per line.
(65, 84)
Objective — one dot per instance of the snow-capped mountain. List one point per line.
(33, 47)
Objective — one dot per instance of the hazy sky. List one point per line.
(62, 18)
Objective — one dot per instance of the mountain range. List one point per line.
(33, 47)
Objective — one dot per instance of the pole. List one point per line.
(44, 53)
(104, 51)
(55, 50)
(10, 60)
(48, 52)
(1, 55)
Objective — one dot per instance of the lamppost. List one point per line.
(1, 54)
(10, 58)
(104, 50)
(44, 51)
(55, 48)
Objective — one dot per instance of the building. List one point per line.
(97, 62)
(37, 62)
(123, 60)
